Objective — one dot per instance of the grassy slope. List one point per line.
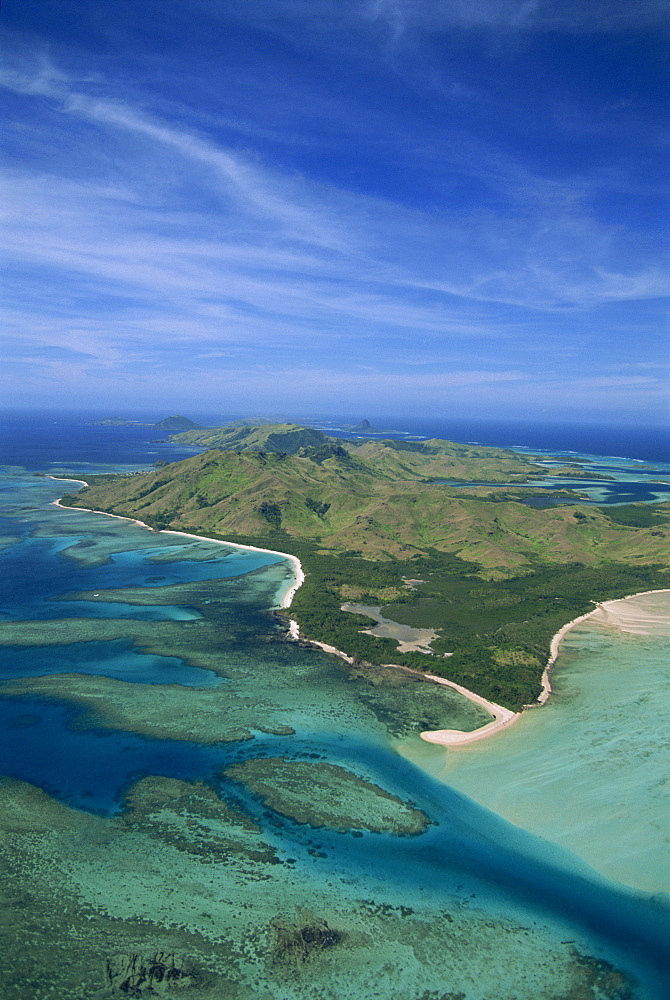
(255, 437)
(499, 577)
(404, 460)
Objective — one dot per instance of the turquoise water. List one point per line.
(628, 480)
(590, 771)
(124, 835)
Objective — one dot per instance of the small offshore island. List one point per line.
(434, 536)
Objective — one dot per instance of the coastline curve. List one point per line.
(502, 717)
(287, 597)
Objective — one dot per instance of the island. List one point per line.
(118, 422)
(173, 425)
(434, 537)
(176, 424)
(362, 427)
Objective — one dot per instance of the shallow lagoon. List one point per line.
(589, 771)
(104, 861)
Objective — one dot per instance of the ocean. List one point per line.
(645, 443)
(191, 799)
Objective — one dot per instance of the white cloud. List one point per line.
(136, 236)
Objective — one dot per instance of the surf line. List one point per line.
(287, 597)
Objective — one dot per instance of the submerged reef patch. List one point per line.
(136, 905)
(193, 819)
(299, 941)
(168, 712)
(322, 794)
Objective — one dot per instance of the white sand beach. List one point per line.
(616, 612)
(502, 718)
(287, 597)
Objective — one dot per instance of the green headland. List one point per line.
(390, 524)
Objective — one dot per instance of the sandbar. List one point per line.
(629, 617)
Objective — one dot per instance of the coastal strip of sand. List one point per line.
(299, 577)
(287, 597)
(609, 612)
(66, 479)
(502, 718)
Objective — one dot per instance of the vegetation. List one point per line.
(288, 438)
(496, 633)
(636, 515)
(494, 577)
(177, 423)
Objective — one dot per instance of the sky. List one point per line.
(432, 208)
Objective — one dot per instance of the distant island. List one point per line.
(171, 424)
(387, 532)
(118, 422)
(176, 424)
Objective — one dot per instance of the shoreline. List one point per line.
(556, 639)
(502, 717)
(287, 597)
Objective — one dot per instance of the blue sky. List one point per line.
(422, 207)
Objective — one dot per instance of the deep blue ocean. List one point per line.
(55, 560)
(645, 443)
(35, 439)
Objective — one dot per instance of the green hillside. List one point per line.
(401, 459)
(496, 577)
(288, 438)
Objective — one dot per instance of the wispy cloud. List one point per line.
(539, 15)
